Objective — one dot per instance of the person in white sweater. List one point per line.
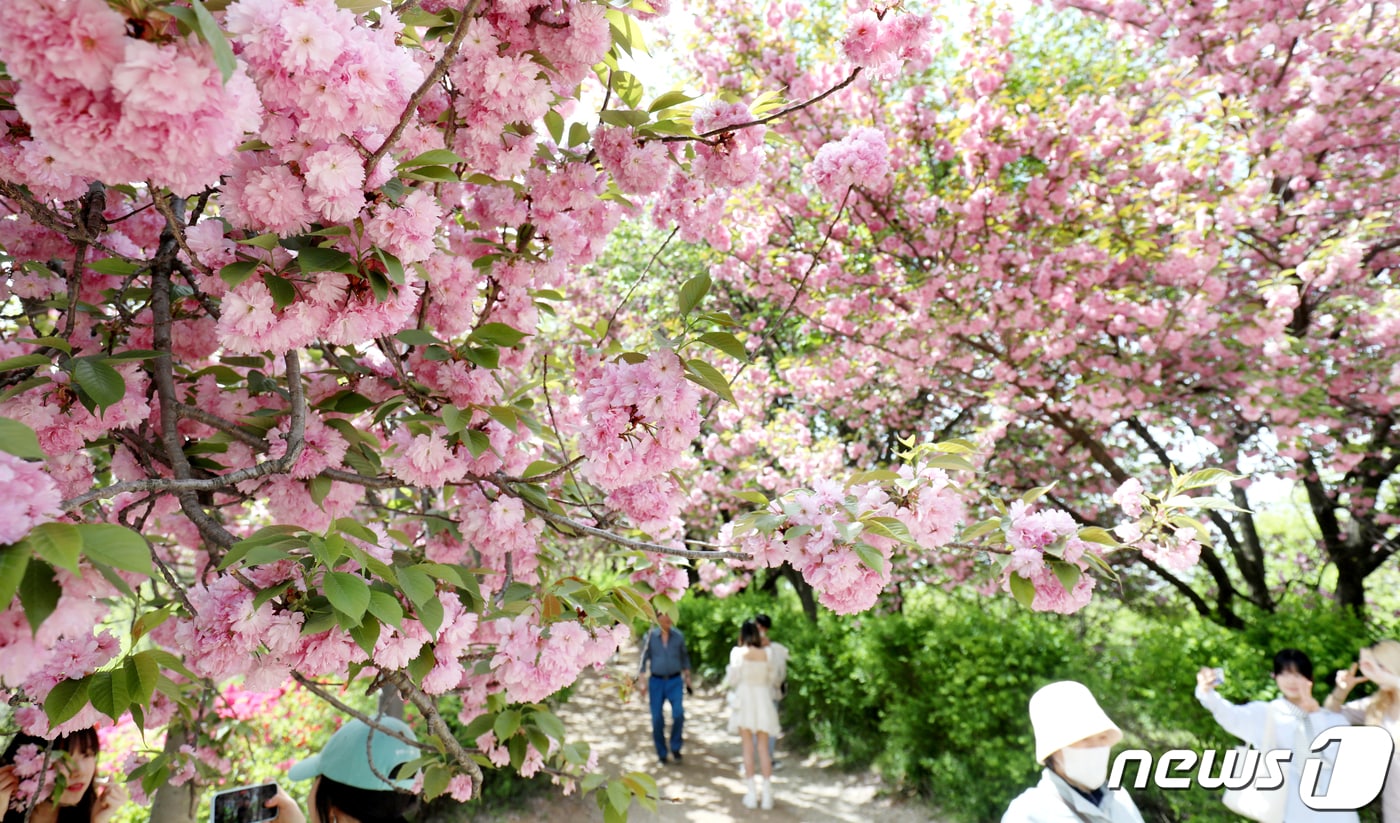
(1288, 722)
(1073, 741)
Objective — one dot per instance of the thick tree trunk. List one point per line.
(175, 804)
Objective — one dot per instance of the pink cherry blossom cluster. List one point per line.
(637, 166)
(227, 636)
(733, 159)
(107, 106)
(33, 779)
(640, 419)
(532, 665)
(29, 497)
(1032, 534)
(1129, 497)
(875, 40)
(861, 158)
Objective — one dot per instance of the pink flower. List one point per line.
(861, 158)
(28, 497)
(1129, 497)
(460, 787)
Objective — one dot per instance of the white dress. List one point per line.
(751, 683)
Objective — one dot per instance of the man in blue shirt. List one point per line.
(664, 650)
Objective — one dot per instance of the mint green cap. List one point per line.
(346, 756)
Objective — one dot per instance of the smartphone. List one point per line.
(245, 805)
(1218, 676)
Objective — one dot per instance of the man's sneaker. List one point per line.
(662, 761)
(677, 756)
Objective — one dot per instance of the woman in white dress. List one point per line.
(1290, 722)
(750, 678)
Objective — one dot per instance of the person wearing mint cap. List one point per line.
(358, 777)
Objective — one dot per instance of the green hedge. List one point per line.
(935, 697)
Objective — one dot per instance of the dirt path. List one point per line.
(708, 787)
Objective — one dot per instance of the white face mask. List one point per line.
(1088, 768)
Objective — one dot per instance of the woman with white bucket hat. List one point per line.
(1073, 739)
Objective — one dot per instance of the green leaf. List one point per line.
(211, 33)
(727, 343)
(624, 118)
(25, 361)
(578, 134)
(116, 546)
(435, 781)
(1036, 493)
(555, 123)
(38, 593)
(693, 291)
(52, 342)
(113, 266)
(498, 334)
(890, 527)
(1095, 534)
(143, 675)
(698, 371)
(58, 543)
(1023, 590)
(507, 723)
(99, 381)
(66, 700)
(348, 593)
(235, 273)
(283, 292)
(477, 442)
(434, 157)
(550, 724)
(417, 337)
(314, 258)
(618, 795)
(870, 556)
(669, 100)
(1067, 573)
(628, 88)
(419, 587)
(19, 440)
(1205, 477)
(386, 607)
(432, 174)
(108, 693)
(430, 614)
(358, 7)
(13, 561)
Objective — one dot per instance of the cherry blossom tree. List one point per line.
(305, 375)
(1119, 240)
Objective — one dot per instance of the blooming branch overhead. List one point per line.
(309, 373)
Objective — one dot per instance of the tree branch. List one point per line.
(626, 542)
(439, 71)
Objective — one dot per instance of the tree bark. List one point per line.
(175, 804)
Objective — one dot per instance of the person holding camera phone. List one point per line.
(1379, 664)
(84, 799)
(357, 777)
(1289, 722)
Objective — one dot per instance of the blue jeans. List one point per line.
(663, 690)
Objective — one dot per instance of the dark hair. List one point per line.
(764, 621)
(83, 741)
(1293, 660)
(748, 634)
(367, 805)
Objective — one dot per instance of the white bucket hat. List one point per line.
(1065, 713)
